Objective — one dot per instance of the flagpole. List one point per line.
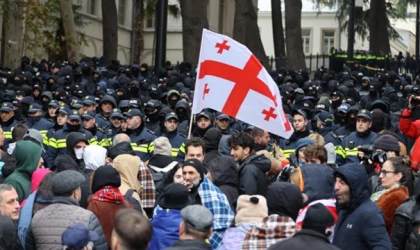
(190, 127)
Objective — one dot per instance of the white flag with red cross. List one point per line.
(230, 79)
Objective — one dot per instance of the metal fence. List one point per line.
(313, 62)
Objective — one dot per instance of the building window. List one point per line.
(121, 12)
(328, 40)
(91, 7)
(306, 37)
(150, 22)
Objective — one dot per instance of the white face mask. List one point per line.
(79, 153)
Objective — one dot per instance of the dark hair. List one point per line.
(402, 164)
(195, 142)
(241, 139)
(316, 151)
(257, 132)
(134, 231)
(18, 132)
(44, 191)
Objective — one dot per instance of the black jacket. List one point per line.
(69, 161)
(304, 240)
(8, 234)
(252, 178)
(224, 172)
(404, 234)
(189, 245)
(211, 139)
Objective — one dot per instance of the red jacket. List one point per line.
(411, 130)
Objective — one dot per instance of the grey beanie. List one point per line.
(387, 143)
(162, 146)
(67, 181)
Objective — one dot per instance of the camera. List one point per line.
(373, 155)
(285, 173)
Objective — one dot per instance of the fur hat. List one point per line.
(251, 208)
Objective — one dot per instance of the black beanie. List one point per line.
(318, 218)
(197, 165)
(105, 176)
(387, 143)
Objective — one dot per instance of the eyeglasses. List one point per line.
(384, 172)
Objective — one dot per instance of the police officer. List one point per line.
(324, 122)
(141, 137)
(36, 121)
(89, 103)
(61, 118)
(300, 121)
(7, 123)
(89, 124)
(347, 151)
(176, 139)
(51, 115)
(57, 143)
(117, 120)
(106, 104)
(152, 109)
(222, 123)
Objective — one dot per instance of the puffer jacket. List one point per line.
(49, 224)
(252, 178)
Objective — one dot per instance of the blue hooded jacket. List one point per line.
(360, 223)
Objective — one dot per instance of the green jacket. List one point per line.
(27, 155)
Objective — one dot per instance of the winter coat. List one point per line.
(42, 125)
(27, 157)
(234, 236)
(165, 226)
(318, 181)
(347, 151)
(252, 175)
(405, 234)
(49, 223)
(8, 234)
(411, 129)
(224, 172)
(69, 161)
(142, 142)
(189, 245)
(389, 202)
(360, 223)
(128, 167)
(177, 141)
(304, 240)
(211, 140)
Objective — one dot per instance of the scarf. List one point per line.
(109, 194)
(375, 197)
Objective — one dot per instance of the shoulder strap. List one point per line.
(129, 193)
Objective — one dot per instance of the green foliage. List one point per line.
(394, 9)
(44, 29)
(173, 9)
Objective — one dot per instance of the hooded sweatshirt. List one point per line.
(211, 139)
(69, 161)
(285, 199)
(128, 167)
(27, 157)
(8, 234)
(360, 222)
(94, 157)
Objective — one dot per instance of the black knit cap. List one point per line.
(105, 176)
(318, 218)
(197, 165)
(387, 143)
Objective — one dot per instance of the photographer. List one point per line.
(385, 147)
(411, 128)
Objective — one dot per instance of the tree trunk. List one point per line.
(294, 42)
(277, 20)
(138, 27)
(194, 20)
(66, 10)
(378, 31)
(246, 31)
(14, 16)
(110, 29)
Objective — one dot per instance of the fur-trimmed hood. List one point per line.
(389, 202)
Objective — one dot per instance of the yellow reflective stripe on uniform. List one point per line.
(151, 147)
(182, 148)
(175, 152)
(140, 148)
(288, 152)
(92, 141)
(103, 143)
(61, 143)
(7, 134)
(52, 143)
(44, 136)
(339, 150)
(352, 152)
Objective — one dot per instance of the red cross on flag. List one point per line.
(230, 79)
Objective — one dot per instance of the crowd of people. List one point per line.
(97, 155)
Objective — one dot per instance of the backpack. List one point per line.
(159, 175)
(131, 200)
